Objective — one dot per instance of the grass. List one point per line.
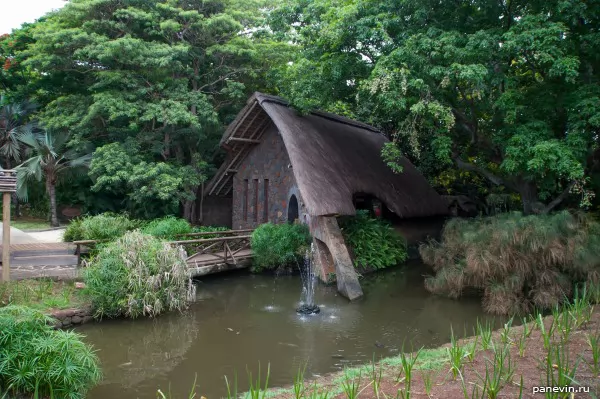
(30, 224)
(41, 294)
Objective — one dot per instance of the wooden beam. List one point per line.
(243, 140)
(208, 240)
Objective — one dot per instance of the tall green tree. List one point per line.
(506, 89)
(165, 74)
(49, 160)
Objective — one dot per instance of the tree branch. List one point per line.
(559, 199)
(497, 180)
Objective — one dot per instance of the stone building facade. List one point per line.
(264, 184)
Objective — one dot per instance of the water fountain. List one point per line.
(309, 282)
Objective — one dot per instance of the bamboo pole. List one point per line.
(5, 237)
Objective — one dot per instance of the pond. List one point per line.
(241, 320)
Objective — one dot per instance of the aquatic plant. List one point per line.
(256, 389)
(373, 242)
(138, 275)
(351, 384)
(518, 261)
(37, 360)
(275, 245)
(498, 372)
(167, 228)
(105, 226)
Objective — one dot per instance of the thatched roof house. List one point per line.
(282, 166)
(331, 159)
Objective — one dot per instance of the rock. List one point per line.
(76, 319)
(66, 321)
(86, 319)
(79, 285)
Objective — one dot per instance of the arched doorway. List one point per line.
(293, 209)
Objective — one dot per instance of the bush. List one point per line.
(518, 261)
(138, 275)
(373, 242)
(39, 361)
(275, 245)
(105, 226)
(208, 229)
(167, 228)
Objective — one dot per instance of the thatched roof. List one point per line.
(332, 158)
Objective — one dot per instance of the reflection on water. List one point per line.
(240, 320)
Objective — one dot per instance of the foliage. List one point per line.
(49, 159)
(167, 228)
(163, 77)
(519, 262)
(373, 242)
(138, 275)
(42, 294)
(275, 245)
(37, 360)
(506, 90)
(105, 226)
(14, 121)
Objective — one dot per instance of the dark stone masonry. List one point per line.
(66, 318)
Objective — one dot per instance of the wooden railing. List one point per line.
(222, 249)
(230, 244)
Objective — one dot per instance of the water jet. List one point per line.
(309, 281)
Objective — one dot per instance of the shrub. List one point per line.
(208, 229)
(373, 242)
(518, 261)
(275, 245)
(39, 361)
(138, 275)
(168, 227)
(105, 226)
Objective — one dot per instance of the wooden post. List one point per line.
(201, 218)
(6, 236)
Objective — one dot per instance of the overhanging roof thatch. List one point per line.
(332, 158)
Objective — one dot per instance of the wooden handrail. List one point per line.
(208, 233)
(201, 240)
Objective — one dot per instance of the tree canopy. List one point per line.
(484, 97)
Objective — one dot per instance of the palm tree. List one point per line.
(50, 160)
(14, 121)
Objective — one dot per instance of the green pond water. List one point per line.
(241, 320)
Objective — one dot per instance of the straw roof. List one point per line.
(332, 158)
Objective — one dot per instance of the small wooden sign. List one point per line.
(8, 185)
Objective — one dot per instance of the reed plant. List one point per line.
(519, 262)
(485, 332)
(351, 384)
(505, 333)
(37, 360)
(427, 376)
(298, 388)
(138, 275)
(457, 355)
(407, 363)
(593, 341)
(560, 370)
(498, 372)
(545, 333)
(257, 390)
(376, 376)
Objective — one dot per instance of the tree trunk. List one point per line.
(51, 189)
(188, 210)
(529, 196)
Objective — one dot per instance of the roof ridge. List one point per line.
(262, 97)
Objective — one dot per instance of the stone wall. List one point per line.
(72, 317)
(216, 211)
(267, 161)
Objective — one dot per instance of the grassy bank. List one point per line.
(41, 294)
(561, 350)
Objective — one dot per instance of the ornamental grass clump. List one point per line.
(105, 226)
(277, 245)
(138, 275)
(519, 262)
(41, 362)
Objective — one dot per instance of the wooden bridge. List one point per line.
(208, 252)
